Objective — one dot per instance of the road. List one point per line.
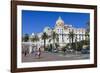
(47, 56)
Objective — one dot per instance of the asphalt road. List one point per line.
(47, 56)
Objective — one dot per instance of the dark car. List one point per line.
(85, 51)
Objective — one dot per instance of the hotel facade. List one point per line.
(63, 31)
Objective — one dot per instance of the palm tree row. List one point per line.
(54, 37)
(45, 37)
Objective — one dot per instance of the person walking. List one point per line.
(38, 52)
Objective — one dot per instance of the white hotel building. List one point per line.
(63, 30)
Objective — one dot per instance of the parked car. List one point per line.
(85, 51)
(55, 50)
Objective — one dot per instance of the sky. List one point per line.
(36, 21)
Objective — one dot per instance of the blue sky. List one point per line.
(35, 21)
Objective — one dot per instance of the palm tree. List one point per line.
(57, 39)
(35, 38)
(54, 36)
(87, 36)
(44, 37)
(76, 43)
(71, 38)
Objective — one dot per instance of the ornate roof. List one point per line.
(59, 22)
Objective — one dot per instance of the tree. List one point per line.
(54, 36)
(76, 43)
(57, 39)
(86, 36)
(44, 37)
(71, 37)
(25, 38)
(86, 42)
(35, 38)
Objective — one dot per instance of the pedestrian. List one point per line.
(25, 53)
(39, 53)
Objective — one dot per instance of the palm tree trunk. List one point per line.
(53, 43)
(44, 44)
(72, 42)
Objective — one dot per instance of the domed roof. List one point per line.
(59, 22)
(33, 34)
(46, 29)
